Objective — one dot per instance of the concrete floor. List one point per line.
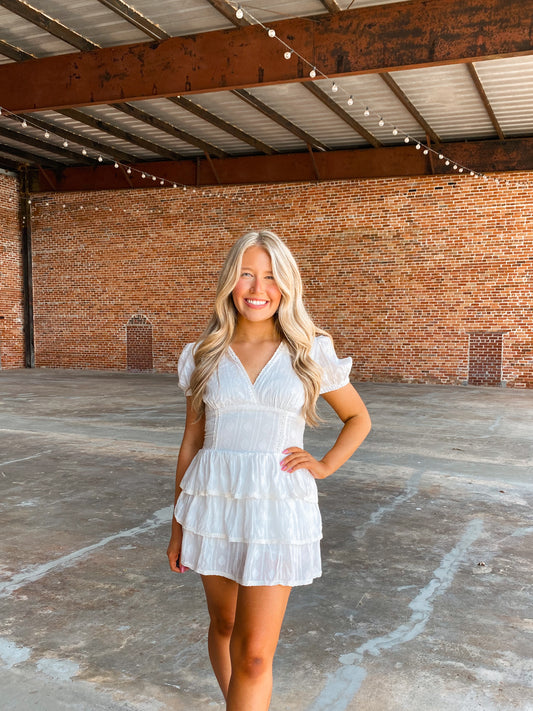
(426, 599)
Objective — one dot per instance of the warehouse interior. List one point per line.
(391, 145)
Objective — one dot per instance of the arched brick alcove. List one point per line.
(140, 356)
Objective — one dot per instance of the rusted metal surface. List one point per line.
(397, 161)
(371, 39)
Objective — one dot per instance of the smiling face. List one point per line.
(256, 295)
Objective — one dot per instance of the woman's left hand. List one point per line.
(300, 459)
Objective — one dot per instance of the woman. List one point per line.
(246, 512)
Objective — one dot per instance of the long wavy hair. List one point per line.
(292, 321)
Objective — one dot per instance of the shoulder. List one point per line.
(335, 370)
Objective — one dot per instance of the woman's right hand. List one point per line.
(174, 550)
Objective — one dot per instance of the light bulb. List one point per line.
(239, 13)
(394, 131)
(287, 54)
(143, 175)
(366, 112)
(418, 146)
(461, 170)
(455, 167)
(46, 134)
(406, 139)
(271, 32)
(350, 101)
(174, 185)
(334, 87)
(84, 151)
(153, 177)
(381, 122)
(441, 156)
(100, 159)
(116, 165)
(24, 124)
(312, 73)
(128, 171)
(161, 182)
(447, 162)
(426, 151)
(65, 144)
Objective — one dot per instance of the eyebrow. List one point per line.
(251, 270)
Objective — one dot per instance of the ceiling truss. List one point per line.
(378, 40)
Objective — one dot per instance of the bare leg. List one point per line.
(259, 615)
(221, 596)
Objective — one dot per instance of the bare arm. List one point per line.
(353, 413)
(193, 439)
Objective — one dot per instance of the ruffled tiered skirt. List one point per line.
(247, 520)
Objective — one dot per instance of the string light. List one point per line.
(366, 112)
(239, 13)
(271, 32)
(350, 101)
(334, 87)
(24, 124)
(287, 54)
(312, 73)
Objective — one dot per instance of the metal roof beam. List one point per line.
(170, 129)
(31, 158)
(225, 8)
(135, 18)
(202, 113)
(14, 53)
(387, 162)
(38, 18)
(83, 141)
(341, 113)
(368, 39)
(46, 146)
(113, 130)
(415, 113)
(331, 6)
(485, 99)
(279, 119)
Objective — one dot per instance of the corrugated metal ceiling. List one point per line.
(446, 98)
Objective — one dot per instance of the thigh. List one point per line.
(221, 596)
(259, 615)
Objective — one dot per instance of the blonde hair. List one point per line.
(293, 323)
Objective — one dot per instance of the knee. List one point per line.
(222, 625)
(250, 660)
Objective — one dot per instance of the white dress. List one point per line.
(243, 517)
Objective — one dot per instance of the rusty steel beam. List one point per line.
(369, 39)
(396, 161)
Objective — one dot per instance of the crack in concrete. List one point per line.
(344, 684)
(36, 572)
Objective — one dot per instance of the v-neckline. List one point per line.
(269, 361)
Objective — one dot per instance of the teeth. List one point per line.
(255, 302)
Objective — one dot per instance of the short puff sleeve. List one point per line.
(186, 367)
(335, 371)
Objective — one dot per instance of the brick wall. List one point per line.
(401, 271)
(11, 303)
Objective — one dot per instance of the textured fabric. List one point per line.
(242, 516)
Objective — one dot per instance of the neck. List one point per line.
(255, 332)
